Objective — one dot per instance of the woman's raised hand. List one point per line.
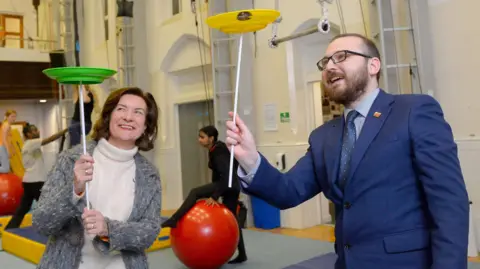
(83, 171)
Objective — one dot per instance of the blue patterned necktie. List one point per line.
(349, 138)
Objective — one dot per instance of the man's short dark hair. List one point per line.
(370, 48)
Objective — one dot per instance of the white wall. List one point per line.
(456, 53)
(457, 63)
(94, 50)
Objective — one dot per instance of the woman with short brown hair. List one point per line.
(146, 141)
(124, 192)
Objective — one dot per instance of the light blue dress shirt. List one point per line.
(363, 108)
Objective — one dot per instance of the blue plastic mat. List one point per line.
(265, 251)
(30, 233)
(326, 261)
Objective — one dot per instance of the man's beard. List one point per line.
(353, 86)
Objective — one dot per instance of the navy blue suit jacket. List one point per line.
(405, 204)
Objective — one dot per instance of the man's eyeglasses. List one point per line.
(338, 57)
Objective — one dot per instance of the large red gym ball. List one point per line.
(11, 191)
(206, 237)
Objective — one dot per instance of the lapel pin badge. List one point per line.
(377, 114)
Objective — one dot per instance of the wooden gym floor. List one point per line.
(320, 232)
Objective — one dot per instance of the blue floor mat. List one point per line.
(265, 251)
(30, 233)
(326, 261)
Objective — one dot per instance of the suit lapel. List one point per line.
(373, 123)
(333, 147)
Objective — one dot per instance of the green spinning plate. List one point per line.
(79, 75)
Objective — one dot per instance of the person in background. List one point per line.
(389, 164)
(6, 147)
(35, 173)
(219, 162)
(124, 191)
(91, 102)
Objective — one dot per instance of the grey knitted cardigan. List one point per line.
(58, 216)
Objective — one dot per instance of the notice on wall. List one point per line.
(285, 117)
(270, 117)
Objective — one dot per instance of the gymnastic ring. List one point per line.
(324, 26)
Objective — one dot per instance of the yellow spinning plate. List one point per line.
(243, 21)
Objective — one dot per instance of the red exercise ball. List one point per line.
(206, 237)
(11, 191)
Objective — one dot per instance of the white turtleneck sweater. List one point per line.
(111, 192)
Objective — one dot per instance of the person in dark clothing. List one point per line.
(219, 162)
(90, 104)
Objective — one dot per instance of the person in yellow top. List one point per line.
(6, 147)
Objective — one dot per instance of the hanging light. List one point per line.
(125, 8)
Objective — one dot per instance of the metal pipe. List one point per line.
(29, 39)
(310, 31)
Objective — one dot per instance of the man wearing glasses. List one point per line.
(389, 165)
